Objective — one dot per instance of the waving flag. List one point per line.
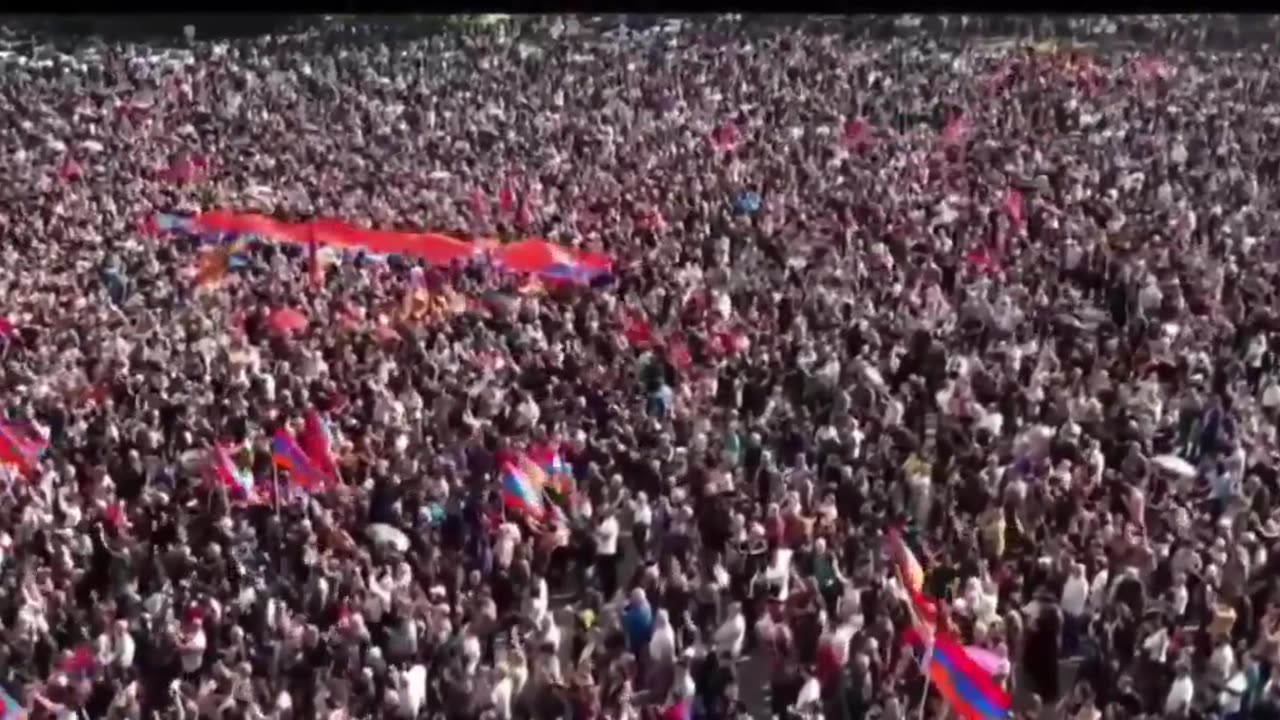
(216, 263)
(286, 454)
(10, 709)
(237, 480)
(21, 445)
(532, 470)
(556, 467)
(909, 567)
(519, 492)
(79, 662)
(317, 442)
(970, 690)
(558, 473)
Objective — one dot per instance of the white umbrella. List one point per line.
(1174, 465)
(384, 535)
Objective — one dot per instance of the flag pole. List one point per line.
(928, 651)
(924, 667)
(275, 486)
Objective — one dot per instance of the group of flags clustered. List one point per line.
(539, 486)
(308, 458)
(971, 690)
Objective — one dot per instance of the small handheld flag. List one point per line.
(237, 480)
(286, 454)
(317, 441)
(519, 492)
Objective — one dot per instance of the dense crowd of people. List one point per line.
(1014, 300)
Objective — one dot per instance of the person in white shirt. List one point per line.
(1222, 662)
(732, 633)
(641, 519)
(192, 645)
(1178, 702)
(1074, 603)
(501, 694)
(1098, 590)
(116, 647)
(538, 601)
(1156, 646)
(809, 700)
(606, 537)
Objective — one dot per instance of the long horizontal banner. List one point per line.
(532, 256)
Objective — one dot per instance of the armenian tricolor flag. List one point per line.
(970, 690)
(21, 445)
(216, 263)
(237, 480)
(559, 474)
(519, 492)
(286, 454)
(909, 567)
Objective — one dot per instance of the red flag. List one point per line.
(1014, 205)
(21, 445)
(79, 661)
(70, 170)
(286, 321)
(637, 330)
(982, 260)
(317, 444)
